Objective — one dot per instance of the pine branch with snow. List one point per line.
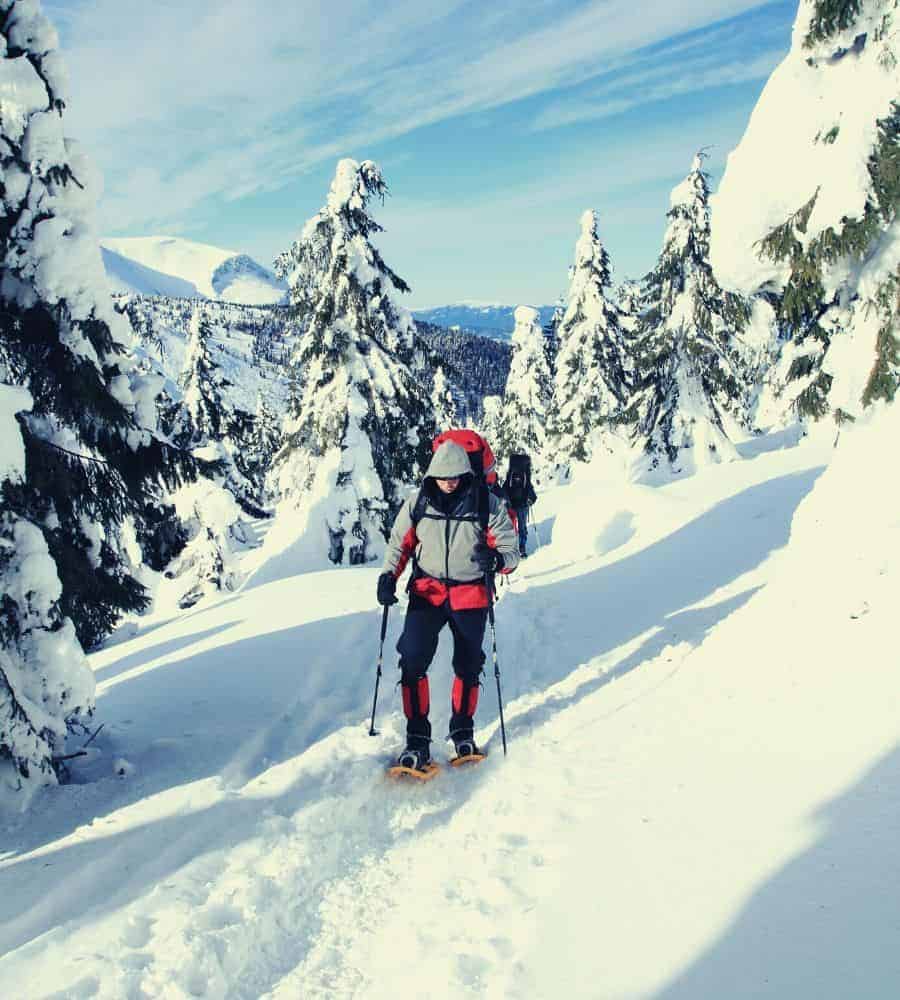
(45, 682)
(821, 241)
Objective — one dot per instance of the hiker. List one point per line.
(457, 535)
(520, 494)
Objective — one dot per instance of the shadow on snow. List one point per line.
(248, 726)
(827, 924)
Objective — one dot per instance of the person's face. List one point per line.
(447, 485)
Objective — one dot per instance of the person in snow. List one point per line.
(453, 558)
(520, 494)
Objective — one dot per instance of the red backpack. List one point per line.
(481, 457)
(484, 467)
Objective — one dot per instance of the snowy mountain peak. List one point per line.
(170, 265)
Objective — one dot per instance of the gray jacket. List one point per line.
(444, 539)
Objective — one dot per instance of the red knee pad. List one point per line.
(416, 698)
(459, 692)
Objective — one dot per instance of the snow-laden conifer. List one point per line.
(690, 373)
(815, 228)
(489, 423)
(522, 426)
(201, 383)
(442, 401)
(590, 387)
(210, 509)
(45, 682)
(362, 422)
(92, 465)
(264, 442)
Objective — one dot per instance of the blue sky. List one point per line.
(496, 124)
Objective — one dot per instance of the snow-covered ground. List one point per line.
(700, 798)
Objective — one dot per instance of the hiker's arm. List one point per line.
(403, 541)
(502, 536)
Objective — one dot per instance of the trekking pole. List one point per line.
(489, 580)
(384, 619)
(537, 534)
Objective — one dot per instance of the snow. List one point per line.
(784, 159)
(13, 399)
(169, 265)
(126, 275)
(699, 798)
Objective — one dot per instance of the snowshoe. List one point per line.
(414, 762)
(467, 752)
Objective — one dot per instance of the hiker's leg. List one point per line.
(417, 646)
(468, 661)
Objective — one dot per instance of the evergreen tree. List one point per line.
(690, 378)
(210, 510)
(522, 423)
(45, 682)
(202, 385)
(93, 467)
(264, 442)
(489, 424)
(363, 425)
(442, 401)
(591, 387)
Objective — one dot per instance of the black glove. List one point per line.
(387, 589)
(489, 560)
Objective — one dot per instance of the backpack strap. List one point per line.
(418, 511)
(484, 506)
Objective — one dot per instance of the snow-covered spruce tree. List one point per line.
(92, 468)
(202, 384)
(363, 421)
(442, 401)
(489, 422)
(210, 509)
(815, 229)
(265, 440)
(45, 682)
(526, 400)
(591, 387)
(690, 376)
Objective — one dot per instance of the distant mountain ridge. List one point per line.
(494, 320)
(169, 265)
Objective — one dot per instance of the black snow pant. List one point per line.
(417, 646)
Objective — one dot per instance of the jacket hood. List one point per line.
(450, 461)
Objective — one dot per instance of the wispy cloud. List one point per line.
(632, 91)
(182, 103)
